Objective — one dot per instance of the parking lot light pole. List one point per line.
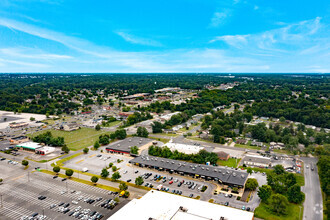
(43, 212)
(1, 201)
(66, 187)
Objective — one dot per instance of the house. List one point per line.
(69, 127)
(278, 145)
(257, 143)
(241, 141)
(223, 155)
(256, 161)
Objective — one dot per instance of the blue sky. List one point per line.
(165, 36)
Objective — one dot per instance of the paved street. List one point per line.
(313, 207)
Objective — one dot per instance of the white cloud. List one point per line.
(138, 40)
(32, 53)
(219, 18)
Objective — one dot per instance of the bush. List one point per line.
(56, 169)
(86, 149)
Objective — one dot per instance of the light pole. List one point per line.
(66, 183)
(28, 176)
(1, 201)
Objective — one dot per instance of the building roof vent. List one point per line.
(242, 176)
(234, 174)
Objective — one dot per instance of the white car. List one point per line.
(74, 202)
(125, 171)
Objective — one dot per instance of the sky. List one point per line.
(159, 36)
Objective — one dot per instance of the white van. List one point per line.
(85, 169)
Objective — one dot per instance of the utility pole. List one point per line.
(43, 212)
(1, 201)
(28, 176)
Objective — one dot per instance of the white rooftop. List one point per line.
(184, 148)
(31, 145)
(165, 206)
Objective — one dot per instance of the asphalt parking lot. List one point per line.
(95, 162)
(20, 197)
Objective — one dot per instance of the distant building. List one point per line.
(276, 145)
(223, 155)
(69, 127)
(256, 161)
(184, 148)
(18, 125)
(124, 146)
(257, 143)
(164, 90)
(157, 205)
(241, 141)
(18, 140)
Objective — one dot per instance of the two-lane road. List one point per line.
(313, 207)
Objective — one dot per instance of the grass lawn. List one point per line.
(199, 139)
(78, 139)
(247, 146)
(167, 135)
(295, 212)
(113, 123)
(231, 162)
(164, 140)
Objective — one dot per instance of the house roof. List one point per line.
(224, 174)
(222, 154)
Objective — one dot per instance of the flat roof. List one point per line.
(186, 148)
(256, 158)
(165, 206)
(126, 144)
(224, 174)
(29, 145)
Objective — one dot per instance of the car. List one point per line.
(164, 180)
(125, 172)
(312, 168)
(129, 180)
(62, 203)
(230, 195)
(74, 202)
(171, 182)
(54, 177)
(226, 203)
(66, 205)
(136, 171)
(226, 195)
(191, 195)
(243, 207)
(73, 191)
(146, 185)
(307, 166)
(99, 155)
(180, 192)
(248, 209)
(2, 159)
(179, 184)
(52, 206)
(71, 213)
(64, 179)
(34, 214)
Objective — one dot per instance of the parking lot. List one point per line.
(39, 194)
(97, 161)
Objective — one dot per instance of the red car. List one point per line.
(171, 182)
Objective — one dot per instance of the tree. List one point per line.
(104, 139)
(25, 162)
(279, 204)
(295, 195)
(65, 149)
(104, 173)
(249, 170)
(116, 176)
(142, 132)
(157, 127)
(97, 127)
(139, 181)
(123, 186)
(96, 145)
(282, 119)
(251, 184)
(69, 172)
(56, 169)
(134, 150)
(94, 179)
(86, 149)
(110, 164)
(264, 192)
(279, 169)
(114, 168)
(121, 134)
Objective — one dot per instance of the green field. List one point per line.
(78, 139)
(295, 212)
(231, 162)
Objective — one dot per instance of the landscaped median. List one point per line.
(61, 162)
(110, 188)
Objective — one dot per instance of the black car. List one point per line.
(64, 179)
(71, 213)
(129, 180)
(34, 214)
(230, 195)
(66, 211)
(66, 205)
(2, 159)
(226, 203)
(62, 203)
(248, 209)
(191, 195)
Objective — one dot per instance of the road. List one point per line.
(313, 207)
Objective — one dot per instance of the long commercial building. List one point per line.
(224, 175)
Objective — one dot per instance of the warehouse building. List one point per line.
(164, 206)
(124, 146)
(223, 175)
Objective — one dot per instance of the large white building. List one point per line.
(184, 148)
(156, 205)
